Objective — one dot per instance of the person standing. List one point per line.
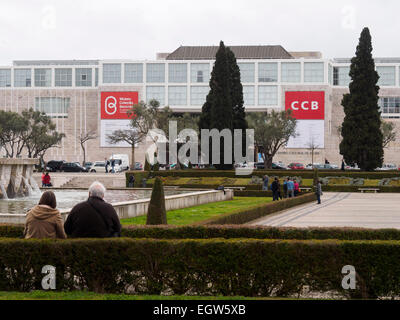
(46, 180)
(343, 168)
(43, 175)
(318, 191)
(107, 164)
(265, 183)
(275, 188)
(279, 189)
(285, 191)
(113, 166)
(290, 187)
(131, 182)
(44, 220)
(296, 188)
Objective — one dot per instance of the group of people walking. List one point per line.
(291, 188)
(93, 218)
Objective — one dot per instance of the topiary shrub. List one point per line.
(156, 214)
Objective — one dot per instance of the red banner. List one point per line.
(306, 105)
(115, 105)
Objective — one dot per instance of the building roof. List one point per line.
(241, 52)
(54, 62)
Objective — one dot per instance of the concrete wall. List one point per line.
(137, 208)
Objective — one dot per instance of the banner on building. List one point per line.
(308, 107)
(114, 114)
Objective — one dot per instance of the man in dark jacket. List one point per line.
(93, 218)
(275, 189)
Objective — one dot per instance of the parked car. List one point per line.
(296, 166)
(72, 167)
(278, 166)
(138, 166)
(318, 166)
(331, 167)
(387, 167)
(355, 167)
(55, 165)
(88, 165)
(98, 166)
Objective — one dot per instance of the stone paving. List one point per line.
(363, 210)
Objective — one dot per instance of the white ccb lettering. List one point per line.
(294, 103)
(303, 105)
(314, 105)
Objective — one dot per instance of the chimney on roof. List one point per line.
(162, 55)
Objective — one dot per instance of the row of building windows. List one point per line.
(43, 77)
(389, 104)
(55, 107)
(177, 95)
(341, 77)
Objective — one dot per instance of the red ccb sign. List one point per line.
(115, 105)
(306, 105)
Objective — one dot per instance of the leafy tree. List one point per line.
(41, 133)
(84, 137)
(156, 214)
(272, 131)
(389, 132)
(362, 141)
(12, 128)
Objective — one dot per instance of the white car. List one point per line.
(98, 166)
(388, 166)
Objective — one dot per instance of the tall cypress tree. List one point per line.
(361, 132)
(223, 108)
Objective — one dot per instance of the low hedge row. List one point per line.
(246, 215)
(235, 231)
(341, 188)
(305, 174)
(203, 267)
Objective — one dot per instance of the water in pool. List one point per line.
(68, 198)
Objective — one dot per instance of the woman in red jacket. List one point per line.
(46, 180)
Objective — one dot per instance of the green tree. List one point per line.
(40, 135)
(156, 214)
(12, 129)
(362, 142)
(389, 133)
(217, 111)
(272, 131)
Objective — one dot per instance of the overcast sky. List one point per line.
(122, 29)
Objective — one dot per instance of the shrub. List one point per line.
(156, 213)
(203, 267)
(246, 215)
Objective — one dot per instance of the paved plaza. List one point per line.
(364, 210)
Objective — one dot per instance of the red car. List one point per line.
(296, 166)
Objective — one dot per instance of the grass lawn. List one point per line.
(203, 212)
(82, 295)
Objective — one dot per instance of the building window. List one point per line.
(22, 77)
(156, 93)
(199, 72)
(198, 95)
(112, 73)
(389, 105)
(5, 78)
(177, 72)
(291, 71)
(54, 107)
(387, 76)
(155, 72)
(314, 72)
(83, 77)
(96, 77)
(267, 95)
(267, 72)
(330, 74)
(247, 72)
(177, 96)
(249, 95)
(42, 77)
(341, 76)
(133, 73)
(63, 77)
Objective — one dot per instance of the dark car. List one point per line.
(275, 166)
(55, 165)
(88, 165)
(72, 167)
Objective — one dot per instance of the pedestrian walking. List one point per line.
(318, 191)
(285, 192)
(265, 183)
(275, 189)
(290, 188)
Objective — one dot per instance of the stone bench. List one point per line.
(375, 190)
(236, 188)
(305, 189)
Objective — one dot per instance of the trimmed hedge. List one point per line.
(203, 267)
(305, 174)
(247, 215)
(235, 231)
(341, 188)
